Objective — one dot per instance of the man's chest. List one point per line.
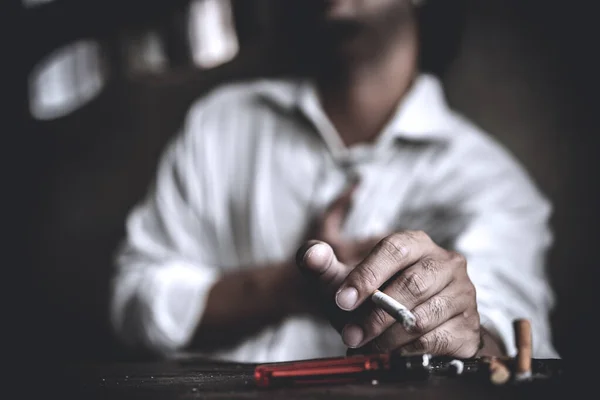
(294, 181)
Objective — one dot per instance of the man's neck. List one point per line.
(361, 99)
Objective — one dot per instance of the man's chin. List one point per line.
(339, 16)
(338, 9)
(342, 29)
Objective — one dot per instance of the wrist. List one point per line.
(293, 289)
(490, 345)
(281, 285)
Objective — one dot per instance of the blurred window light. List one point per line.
(66, 80)
(32, 3)
(144, 52)
(212, 33)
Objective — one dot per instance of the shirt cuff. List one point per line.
(177, 295)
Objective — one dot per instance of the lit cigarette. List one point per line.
(395, 309)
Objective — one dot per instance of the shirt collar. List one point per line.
(423, 114)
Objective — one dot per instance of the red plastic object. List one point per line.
(328, 370)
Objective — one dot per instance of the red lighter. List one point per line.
(352, 369)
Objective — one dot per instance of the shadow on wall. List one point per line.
(523, 78)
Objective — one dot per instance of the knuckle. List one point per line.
(457, 259)
(377, 321)
(395, 246)
(438, 307)
(435, 313)
(422, 321)
(475, 322)
(430, 265)
(420, 236)
(471, 316)
(440, 342)
(471, 291)
(468, 291)
(414, 284)
(368, 276)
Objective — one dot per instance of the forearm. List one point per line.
(243, 302)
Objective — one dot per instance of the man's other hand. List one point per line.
(328, 228)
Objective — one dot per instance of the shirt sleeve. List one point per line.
(504, 236)
(162, 279)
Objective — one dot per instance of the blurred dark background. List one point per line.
(525, 73)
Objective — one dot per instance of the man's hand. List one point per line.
(410, 267)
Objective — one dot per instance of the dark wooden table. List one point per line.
(196, 378)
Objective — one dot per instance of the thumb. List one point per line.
(318, 263)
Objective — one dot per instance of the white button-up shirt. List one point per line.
(257, 161)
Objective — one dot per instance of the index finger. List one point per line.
(390, 256)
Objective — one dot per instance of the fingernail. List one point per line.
(346, 299)
(307, 251)
(352, 335)
(319, 253)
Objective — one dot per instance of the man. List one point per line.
(365, 160)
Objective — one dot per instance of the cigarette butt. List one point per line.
(523, 343)
(457, 367)
(499, 373)
(395, 309)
